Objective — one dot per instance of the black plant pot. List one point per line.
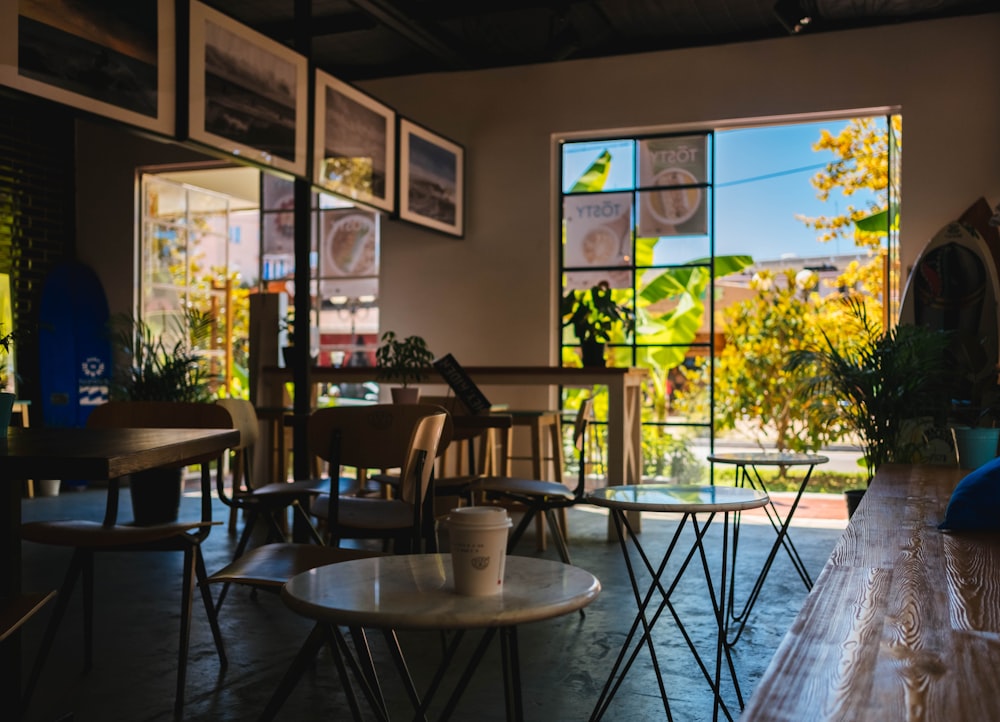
(289, 354)
(156, 495)
(593, 354)
(853, 497)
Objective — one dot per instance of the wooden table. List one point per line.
(903, 622)
(624, 399)
(416, 591)
(78, 453)
(624, 456)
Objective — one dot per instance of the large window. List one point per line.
(200, 251)
(211, 237)
(681, 236)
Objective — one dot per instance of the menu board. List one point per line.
(673, 170)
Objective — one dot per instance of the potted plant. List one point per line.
(975, 408)
(879, 384)
(151, 368)
(595, 317)
(403, 360)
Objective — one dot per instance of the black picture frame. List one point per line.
(354, 144)
(118, 61)
(248, 94)
(431, 179)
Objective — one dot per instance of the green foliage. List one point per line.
(596, 316)
(402, 360)
(153, 369)
(880, 381)
(754, 392)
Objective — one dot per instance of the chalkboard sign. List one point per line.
(463, 386)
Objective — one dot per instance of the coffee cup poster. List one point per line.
(673, 174)
(598, 236)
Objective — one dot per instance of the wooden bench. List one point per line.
(903, 622)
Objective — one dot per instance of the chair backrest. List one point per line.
(381, 436)
(159, 415)
(244, 419)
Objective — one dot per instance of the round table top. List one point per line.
(768, 458)
(668, 497)
(416, 591)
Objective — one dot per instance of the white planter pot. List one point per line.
(48, 487)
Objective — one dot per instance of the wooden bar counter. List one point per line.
(903, 622)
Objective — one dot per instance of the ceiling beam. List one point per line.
(413, 30)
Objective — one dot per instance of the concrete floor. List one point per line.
(565, 661)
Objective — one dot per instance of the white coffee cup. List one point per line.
(478, 541)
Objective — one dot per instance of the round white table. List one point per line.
(698, 506)
(417, 592)
(748, 475)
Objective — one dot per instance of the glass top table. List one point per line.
(747, 466)
(698, 507)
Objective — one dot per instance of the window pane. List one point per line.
(615, 159)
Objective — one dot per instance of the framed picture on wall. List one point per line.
(354, 151)
(248, 93)
(431, 179)
(116, 60)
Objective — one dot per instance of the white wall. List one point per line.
(485, 297)
(491, 298)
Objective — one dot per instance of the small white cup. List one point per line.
(478, 540)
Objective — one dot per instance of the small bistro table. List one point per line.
(748, 475)
(417, 592)
(699, 506)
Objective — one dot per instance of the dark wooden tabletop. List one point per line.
(37, 453)
(903, 622)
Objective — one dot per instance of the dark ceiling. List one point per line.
(364, 39)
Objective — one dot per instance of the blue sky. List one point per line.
(762, 182)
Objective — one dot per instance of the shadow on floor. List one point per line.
(564, 661)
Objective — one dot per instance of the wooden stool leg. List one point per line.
(537, 467)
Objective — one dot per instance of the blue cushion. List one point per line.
(975, 503)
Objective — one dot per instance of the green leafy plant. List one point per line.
(595, 315)
(402, 359)
(878, 382)
(153, 369)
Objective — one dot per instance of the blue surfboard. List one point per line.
(74, 345)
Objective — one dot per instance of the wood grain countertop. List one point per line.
(903, 622)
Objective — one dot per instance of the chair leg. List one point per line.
(210, 609)
(185, 634)
(557, 535)
(515, 537)
(249, 520)
(58, 611)
(87, 563)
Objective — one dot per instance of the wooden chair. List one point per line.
(379, 437)
(88, 538)
(368, 436)
(537, 496)
(267, 502)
